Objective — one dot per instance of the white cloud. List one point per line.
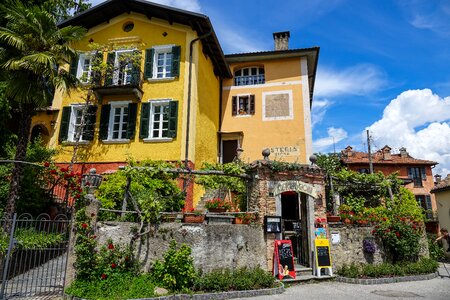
(420, 121)
(319, 108)
(335, 135)
(356, 80)
(233, 41)
(429, 15)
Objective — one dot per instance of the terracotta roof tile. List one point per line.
(378, 158)
(443, 185)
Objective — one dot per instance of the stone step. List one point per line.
(307, 278)
(302, 270)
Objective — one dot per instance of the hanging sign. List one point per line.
(323, 258)
(283, 260)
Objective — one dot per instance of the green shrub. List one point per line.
(423, 266)
(118, 286)
(436, 250)
(177, 271)
(235, 280)
(30, 238)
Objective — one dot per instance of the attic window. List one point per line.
(128, 26)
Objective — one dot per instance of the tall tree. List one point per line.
(31, 49)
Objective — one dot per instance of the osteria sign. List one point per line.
(281, 151)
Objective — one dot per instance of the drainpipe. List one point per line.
(188, 117)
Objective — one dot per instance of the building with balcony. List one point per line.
(267, 103)
(150, 88)
(416, 174)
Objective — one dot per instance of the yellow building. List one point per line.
(165, 68)
(267, 103)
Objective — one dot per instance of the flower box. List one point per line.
(217, 203)
(193, 218)
(217, 210)
(333, 219)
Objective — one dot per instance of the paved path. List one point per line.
(435, 289)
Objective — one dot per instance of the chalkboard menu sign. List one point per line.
(283, 260)
(323, 258)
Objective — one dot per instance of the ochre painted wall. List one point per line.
(284, 136)
(443, 208)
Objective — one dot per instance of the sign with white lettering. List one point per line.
(296, 186)
(281, 151)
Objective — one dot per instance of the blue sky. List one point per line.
(384, 65)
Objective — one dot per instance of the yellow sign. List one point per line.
(323, 257)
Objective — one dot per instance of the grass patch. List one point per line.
(423, 266)
(118, 286)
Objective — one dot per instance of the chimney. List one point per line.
(437, 178)
(281, 40)
(386, 153)
(403, 152)
(348, 151)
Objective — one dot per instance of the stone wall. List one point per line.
(213, 245)
(350, 248)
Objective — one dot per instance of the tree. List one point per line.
(32, 48)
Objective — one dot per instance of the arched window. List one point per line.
(249, 76)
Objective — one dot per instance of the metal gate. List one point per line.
(33, 256)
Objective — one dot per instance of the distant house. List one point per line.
(415, 173)
(442, 193)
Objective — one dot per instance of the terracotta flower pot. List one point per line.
(333, 219)
(347, 221)
(191, 218)
(238, 220)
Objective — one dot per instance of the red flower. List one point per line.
(110, 246)
(104, 276)
(387, 230)
(374, 231)
(113, 265)
(397, 234)
(64, 170)
(414, 226)
(53, 172)
(384, 219)
(46, 164)
(127, 258)
(93, 236)
(84, 225)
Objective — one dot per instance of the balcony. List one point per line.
(249, 80)
(124, 81)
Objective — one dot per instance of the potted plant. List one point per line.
(217, 205)
(244, 218)
(333, 219)
(193, 216)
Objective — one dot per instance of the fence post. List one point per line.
(8, 254)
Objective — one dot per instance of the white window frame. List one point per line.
(81, 58)
(248, 114)
(153, 104)
(114, 105)
(116, 72)
(158, 50)
(291, 106)
(256, 76)
(72, 125)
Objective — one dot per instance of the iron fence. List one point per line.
(33, 256)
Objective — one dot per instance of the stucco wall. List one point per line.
(213, 246)
(443, 208)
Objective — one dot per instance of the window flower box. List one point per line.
(217, 205)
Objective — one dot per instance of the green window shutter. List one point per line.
(252, 104)
(173, 118)
(424, 174)
(176, 51)
(110, 68)
(145, 120)
(136, 71)
(65, 122)
(148, 69)
(104, 122)
(90, 118)
(74, 66)
(234, 105)
(131, 127)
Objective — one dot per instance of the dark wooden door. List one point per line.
(229, 148)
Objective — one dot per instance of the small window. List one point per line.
(162, 62)
(128, 26)
(72, 121)
(118, 121)
(243, 105)
(417, 174)
(159, 120)
(249, 76)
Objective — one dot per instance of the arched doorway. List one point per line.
(39, 131)
(295, 226)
